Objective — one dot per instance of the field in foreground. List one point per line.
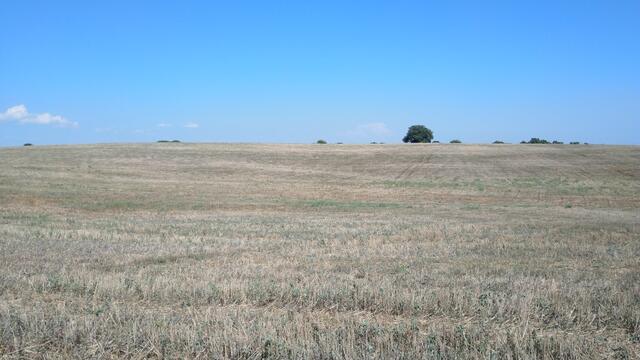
(320, 251)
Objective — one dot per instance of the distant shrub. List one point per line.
(455, 141)
(498, 142)
(321, 141)
(163, 141)
(557, 142)
(436, 142)
(574, 143)
(175, 141)
(339, 143)
(28, 144)
(535, 141)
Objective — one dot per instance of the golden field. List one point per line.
(251, 251)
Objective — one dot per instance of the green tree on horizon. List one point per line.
(418, 134)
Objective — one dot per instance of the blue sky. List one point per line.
(349, 71)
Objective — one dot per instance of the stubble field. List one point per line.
(320, 251)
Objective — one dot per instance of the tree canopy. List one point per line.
(418, 134)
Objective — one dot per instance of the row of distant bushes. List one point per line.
(456, 141)
(543, 141)
(422, 134)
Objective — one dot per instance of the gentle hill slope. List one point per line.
(210, 175)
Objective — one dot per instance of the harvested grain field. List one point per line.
(320, 251)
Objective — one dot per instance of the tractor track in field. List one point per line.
(407, 172)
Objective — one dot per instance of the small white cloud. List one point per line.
(20, 114)
(377, 128)
(191, 125)
(15, 113)
(368, 130)
(164, 125)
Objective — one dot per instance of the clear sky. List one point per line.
(297, 71)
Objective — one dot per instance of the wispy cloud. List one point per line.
(376, 128)
(164, 125)
(369, 129)
(191, 125)
(20, 114)
(106, 130)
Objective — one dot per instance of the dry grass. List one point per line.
(332, 251)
